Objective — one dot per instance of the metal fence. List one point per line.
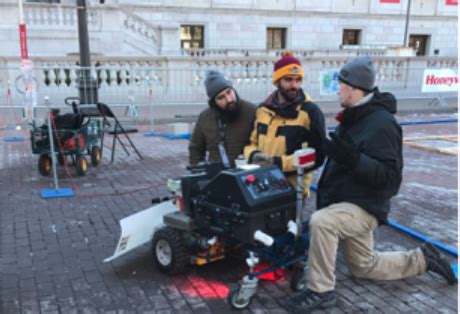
(143, 88)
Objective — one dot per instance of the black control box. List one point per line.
(236, 203)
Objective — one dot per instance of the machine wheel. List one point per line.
(81, 164)
(44, 165)
(169, 252)
(61, 158)
(96, 155)
(298, 280)
(235, 303)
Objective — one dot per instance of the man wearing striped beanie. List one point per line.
(285, 121)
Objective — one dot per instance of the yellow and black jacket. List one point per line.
(280, 130)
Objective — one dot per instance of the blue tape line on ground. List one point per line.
(14, 139)
(428, 122)
(188, 135)
(415, 122)
(413, 233)
(422, 237)
(182, 136)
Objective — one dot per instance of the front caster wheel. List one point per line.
(235, 301)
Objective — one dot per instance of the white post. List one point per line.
(21, 12)
(151, 107)
(53, 157)
(303, 159)
(299, 207)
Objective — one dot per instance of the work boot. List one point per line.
(437, 264)
(309, 300)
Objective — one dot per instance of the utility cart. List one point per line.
(74, 136)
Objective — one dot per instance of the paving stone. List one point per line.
(52, 250)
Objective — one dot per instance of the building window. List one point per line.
(276, 38)
(419, 43)
(351, 37)
(191, 36)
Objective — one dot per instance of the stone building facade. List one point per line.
(163, 27)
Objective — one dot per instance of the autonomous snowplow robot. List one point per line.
(215, 209)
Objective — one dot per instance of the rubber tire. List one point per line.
(44, 165)
(298, 282)
(61, 158)
(81, 164)
(232, 299)
(96, 155)
(180, 257)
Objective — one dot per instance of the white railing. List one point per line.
(180, 81)
(57, 16)
(147, 32)
(240, 53)
(54, 18)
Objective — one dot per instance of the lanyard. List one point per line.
(222, 151)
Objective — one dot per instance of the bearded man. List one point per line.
(286, 121)
(222, 130)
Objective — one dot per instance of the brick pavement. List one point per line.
(52, 250)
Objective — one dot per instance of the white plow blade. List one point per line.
(139, 228)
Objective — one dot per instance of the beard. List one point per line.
(230, 113)
(289, 94)
(231, 106)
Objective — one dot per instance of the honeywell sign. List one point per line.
(436, 80)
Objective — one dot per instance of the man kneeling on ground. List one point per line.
(363, 172)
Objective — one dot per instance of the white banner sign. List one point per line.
(329, 82)
(440, 80)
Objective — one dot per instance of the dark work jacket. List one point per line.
(378, 174)
(206, 136)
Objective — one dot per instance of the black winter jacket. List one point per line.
(378, 174)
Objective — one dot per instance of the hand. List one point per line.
(343, 151)
(262, 159)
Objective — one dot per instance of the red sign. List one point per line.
(451, 2)
(307, 158)
(23, 41)
(389, 1)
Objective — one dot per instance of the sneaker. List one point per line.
(437, 264)
(309, 300)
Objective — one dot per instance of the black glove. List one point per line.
(343, 151)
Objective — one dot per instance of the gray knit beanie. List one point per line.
(359, 72)
(215, 82)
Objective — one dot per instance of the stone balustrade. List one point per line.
(62, 16)
(141, 27)
(180, 80)
(240, 53)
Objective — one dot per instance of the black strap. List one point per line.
(222, 150)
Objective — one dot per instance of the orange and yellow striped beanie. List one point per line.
(287, 65)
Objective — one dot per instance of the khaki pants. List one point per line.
(354, 227)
